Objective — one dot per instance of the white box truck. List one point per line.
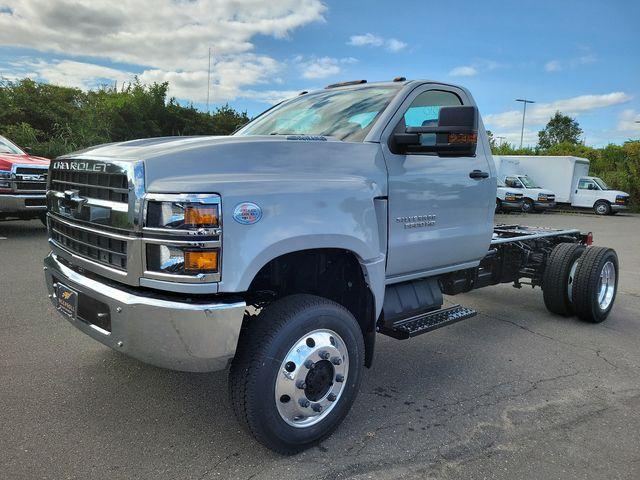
(569, 178)
(510, 174)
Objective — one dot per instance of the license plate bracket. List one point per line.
(67, 300)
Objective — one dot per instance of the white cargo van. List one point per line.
(569, 178)
(535, 198)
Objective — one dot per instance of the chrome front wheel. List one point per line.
(311, 378)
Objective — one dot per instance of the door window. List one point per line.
(424, 110)
(512, 182)
(586, 185)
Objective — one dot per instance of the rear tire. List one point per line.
(602, 208)
(278, 379)
(558, 279)
(596, 284)
(527, 205)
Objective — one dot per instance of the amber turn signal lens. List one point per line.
(463, 138)
(201, 216)
(201, 260)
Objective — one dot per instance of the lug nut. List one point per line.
(316, 407)
(340, 378)
(332, 397)
(303, 402)
(301, 385)
(309, 364)
(324, 355)
(336, 360)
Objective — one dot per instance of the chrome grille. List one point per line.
(29, 179)
(89, 244)
(113, 187)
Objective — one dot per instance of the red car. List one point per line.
(23, 183)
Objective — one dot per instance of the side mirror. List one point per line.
(455, 135)
(27, 149)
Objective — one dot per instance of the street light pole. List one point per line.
(208, 80)
(524, 113)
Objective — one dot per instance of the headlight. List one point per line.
(178, 260)
(182, 215)
(5, 179)
(183, 237)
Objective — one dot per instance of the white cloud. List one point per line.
(371, 40)
(553, 66)
(321, 67)
(540, 113)
(627, 122)
(166, 39)
(557, 65)
(463, 71)
(478, 65)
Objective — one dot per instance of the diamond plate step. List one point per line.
(426, 322)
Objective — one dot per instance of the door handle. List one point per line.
(478, 174)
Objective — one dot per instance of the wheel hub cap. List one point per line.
(607, 285)
(311, 378)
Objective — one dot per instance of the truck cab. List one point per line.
(535, 198)
(593, 192)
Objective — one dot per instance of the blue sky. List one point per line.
(579, 57)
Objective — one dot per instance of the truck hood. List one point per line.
(211, 164)
(7, 160)
(538, 191)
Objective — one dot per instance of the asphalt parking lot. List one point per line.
(512, 393)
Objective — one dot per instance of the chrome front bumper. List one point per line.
(195, 337)
(508, 205)
(615, 207)
(543, 205)
(14, 202)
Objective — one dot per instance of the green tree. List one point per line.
(560, 129)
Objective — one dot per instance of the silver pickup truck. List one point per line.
(285, 248)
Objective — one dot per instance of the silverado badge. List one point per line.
(247, 213)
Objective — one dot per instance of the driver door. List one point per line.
(586, 193)
(440, 218)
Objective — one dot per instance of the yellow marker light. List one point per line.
(463, 138)
(201, 260)
(200, 215)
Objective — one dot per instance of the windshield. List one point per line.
(344, 114)
(501, 183)
(601, 183)
(7, 147)
(528, 182)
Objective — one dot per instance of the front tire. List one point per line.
(602, 208)
(559, 277)
(296, 372)
(596, 284)
(527, 205)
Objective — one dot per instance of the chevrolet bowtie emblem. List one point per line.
(73, 200)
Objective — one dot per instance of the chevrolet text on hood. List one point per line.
(80, 166)
(286, 248)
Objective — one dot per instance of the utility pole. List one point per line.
(209, 81)
(502, 139)
(524, 113)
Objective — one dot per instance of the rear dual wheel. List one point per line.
(595, 284)
(581, 281)
(296, 372)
